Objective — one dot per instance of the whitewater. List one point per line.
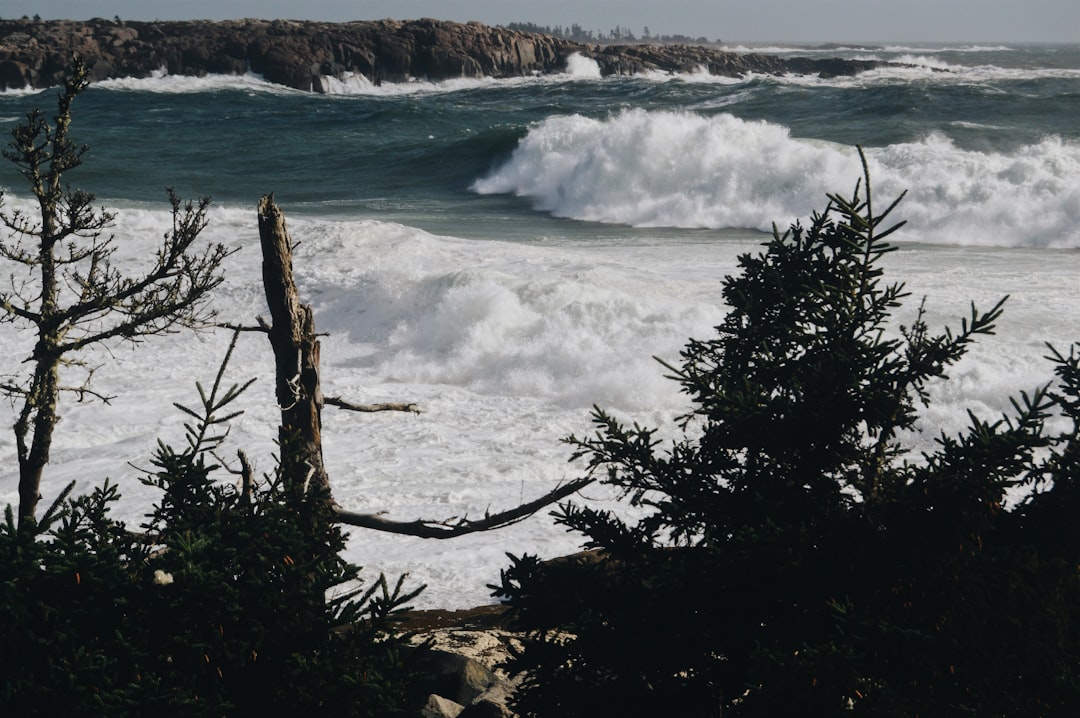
(507, 254)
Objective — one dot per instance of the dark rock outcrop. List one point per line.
(301, 55)
(636, 59)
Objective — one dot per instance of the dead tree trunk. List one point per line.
(299, 394)
(296, 358)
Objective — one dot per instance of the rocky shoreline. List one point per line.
(461, 669)
(302, 55)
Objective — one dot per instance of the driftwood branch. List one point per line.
(451, 529)
(371, 408)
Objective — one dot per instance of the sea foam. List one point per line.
(505, 346)
(187, 84)
(581, 67)
(681, 169)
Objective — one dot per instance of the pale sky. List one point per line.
(728, 20)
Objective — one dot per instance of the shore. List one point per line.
(303, 55)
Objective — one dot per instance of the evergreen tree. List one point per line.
(795, 558)
(64, 286)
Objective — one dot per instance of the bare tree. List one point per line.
(299, 396)
(63, 283)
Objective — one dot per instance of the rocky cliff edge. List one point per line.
(302, 55)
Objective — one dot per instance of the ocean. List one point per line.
(508, 253)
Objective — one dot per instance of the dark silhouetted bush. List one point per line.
(795, 557)
(232, 602)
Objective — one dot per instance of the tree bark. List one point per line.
(38, 416)
(38, 419)
(296, 356)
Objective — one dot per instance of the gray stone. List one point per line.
(453, 676)
(486, 709)
(439, 707)
(492, 703)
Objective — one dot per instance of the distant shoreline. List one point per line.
(303, 54)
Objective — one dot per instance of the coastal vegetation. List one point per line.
(232, 598)
(794, 554)
(228, 601)
(65, 287)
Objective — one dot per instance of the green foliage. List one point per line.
(64, 287)
(235, 601)
(794, 556)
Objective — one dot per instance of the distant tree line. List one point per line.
(618, 33)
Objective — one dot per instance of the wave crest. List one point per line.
(581, 67)
(679, 169)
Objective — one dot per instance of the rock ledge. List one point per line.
(302, 55)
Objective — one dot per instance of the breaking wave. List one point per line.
(680, 169)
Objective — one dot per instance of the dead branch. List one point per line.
(244, 327)
(422, 528)
(371, 408)
(247, 476)
(84, 391)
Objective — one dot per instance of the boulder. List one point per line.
(439, 707)
(492, 703)
(486, 709)
(453, 676)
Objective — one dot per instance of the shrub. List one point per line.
(220, 608)
(795, 557)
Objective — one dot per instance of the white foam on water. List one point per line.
(957, 48)
(934, 69)
(912, 63)
(187, 84)
(505, 346)
(835, 49)
(580, 67)
(680, 169)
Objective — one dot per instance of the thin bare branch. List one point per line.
(450, 529)
(85, 391)
(371, 408)
(242, 327)
(12, 390)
